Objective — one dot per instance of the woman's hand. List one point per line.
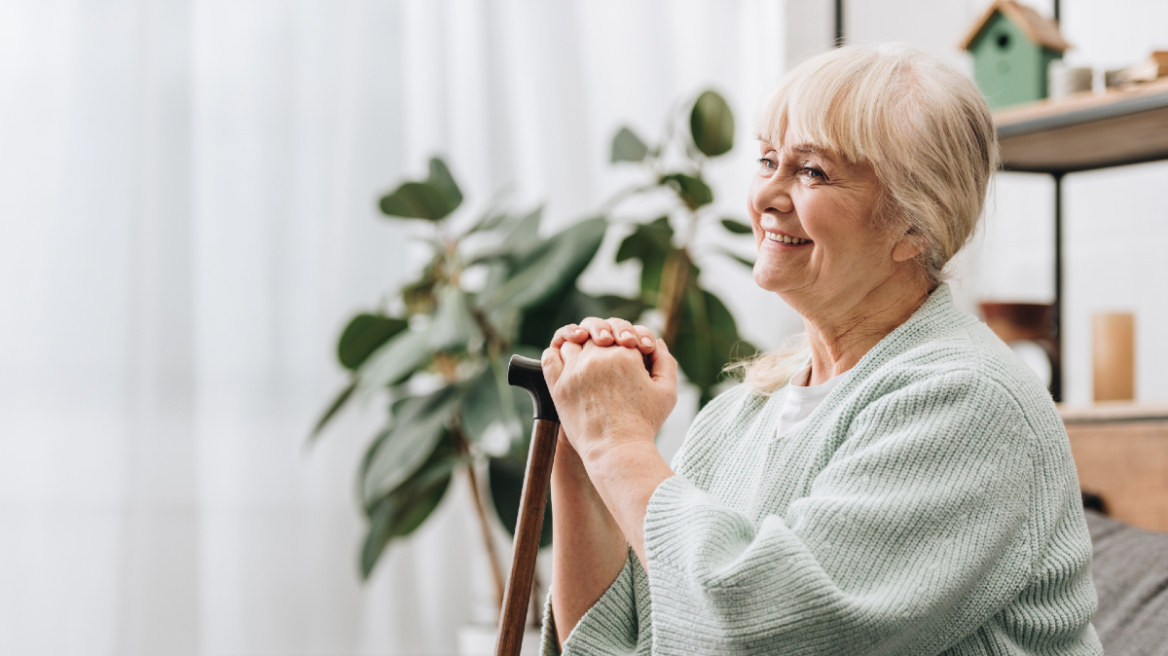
(604, 396)
(606, 332)
(610, 409)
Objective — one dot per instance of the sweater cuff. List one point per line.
(675, 508)
(609, 626)
(549, 644)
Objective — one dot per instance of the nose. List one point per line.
(770, 195)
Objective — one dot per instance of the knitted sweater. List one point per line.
(929, 506)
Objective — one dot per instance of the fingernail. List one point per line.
(580, 331)
(646, 341)
(604, 334)
(626, 334)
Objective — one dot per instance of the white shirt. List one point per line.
(802, 400)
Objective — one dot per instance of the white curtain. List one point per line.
(187, 217)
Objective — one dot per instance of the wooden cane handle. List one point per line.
(528, 527)
(527, 373)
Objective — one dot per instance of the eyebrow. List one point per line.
(808, 148)
(805, 147)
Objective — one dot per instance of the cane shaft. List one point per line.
(528, 527)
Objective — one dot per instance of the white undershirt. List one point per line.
(802, 400)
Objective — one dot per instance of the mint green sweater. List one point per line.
(929, 506)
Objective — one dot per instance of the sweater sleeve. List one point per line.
(612, 626)
(913, 535)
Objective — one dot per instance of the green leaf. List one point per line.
(489, 400)
(524, 234)
(432, 200)
(441, 180)
(487, 222)
(628, 147)
(516, 407)
(395, 410)
(415, 200)
(549, 267)
(650, 243)
(712, 124)
(506, 482)
(480, 406)
(496, 275)
(364, 334)
(707, 339)
(655, 237)
(400, 450)
(398, 516)
(736, 227)
(521, 237)
(333, 409)
(396, 360)
(400, 512)
(453, 325)
(629, 309)
(693, 191)
(540, 322)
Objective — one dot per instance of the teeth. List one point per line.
(785, 239)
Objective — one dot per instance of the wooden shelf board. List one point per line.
(1111, 411)
(1086, 131)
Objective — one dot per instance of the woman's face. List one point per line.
(814, 225)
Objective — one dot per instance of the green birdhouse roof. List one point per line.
(1040, 30)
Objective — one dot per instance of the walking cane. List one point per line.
(528, 374)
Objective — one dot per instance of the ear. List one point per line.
(910, 245)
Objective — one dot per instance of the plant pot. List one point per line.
(479, 640)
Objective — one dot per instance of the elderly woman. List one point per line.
(899, 485)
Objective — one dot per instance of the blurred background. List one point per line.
(189, 217)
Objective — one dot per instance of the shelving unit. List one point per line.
(1083, 133)
(1086, 131)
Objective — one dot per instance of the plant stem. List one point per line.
(674, 282)
(495, 342)
(484, 523)
(488, 541)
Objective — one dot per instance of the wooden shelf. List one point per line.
(1086, 131)
(1121, 454)
(1105, 411)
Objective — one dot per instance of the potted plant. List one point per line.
(435, 351)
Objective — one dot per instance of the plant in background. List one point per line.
(438, 350)
(697, 326)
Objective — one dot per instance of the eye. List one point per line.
(767, 164)
(812, 173)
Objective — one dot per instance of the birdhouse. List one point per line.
(1012, 47)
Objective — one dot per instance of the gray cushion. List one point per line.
(1130, 569)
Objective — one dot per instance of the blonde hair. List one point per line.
(921, 124)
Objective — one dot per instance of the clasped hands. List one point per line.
(596, 372)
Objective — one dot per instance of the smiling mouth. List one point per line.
(786, 239)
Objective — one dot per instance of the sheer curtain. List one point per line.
(187, 216)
